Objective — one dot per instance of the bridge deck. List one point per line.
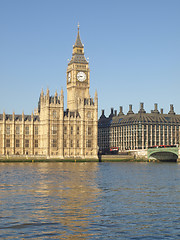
(173, 150)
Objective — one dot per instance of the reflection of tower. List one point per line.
(72, 192)
(80, 197)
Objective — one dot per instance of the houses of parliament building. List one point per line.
(52, 131)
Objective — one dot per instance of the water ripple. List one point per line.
(89, 201)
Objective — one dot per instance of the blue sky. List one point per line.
(133, 48)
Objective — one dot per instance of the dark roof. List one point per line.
(71, 114)
(78, 42)
(78, 58)
(52, 98)
(145, 118)
(19, 117)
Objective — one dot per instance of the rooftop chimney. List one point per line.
(121, 111)
(112, 112)
(171, 109)
(142, 108)
(130, 110)
(155, 108)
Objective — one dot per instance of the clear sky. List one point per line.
(133, 48)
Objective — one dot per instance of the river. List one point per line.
(90, 201)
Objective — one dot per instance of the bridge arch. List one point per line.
(163, 154)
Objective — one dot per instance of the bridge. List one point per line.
(163, 154)
(158, 153)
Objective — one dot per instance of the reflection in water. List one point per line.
(61, 194)
(73, 198)
(90, 201)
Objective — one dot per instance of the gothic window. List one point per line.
(8, 143)
(89, 115)
(17, 143)
(36, 143)
(88, 143)
(36, 130)
(71, 143)
(8, 129)
(89, 131)
(27, 130)
(65, 143)
(54, 129)
(53, 143)
(54, 114)
(77, 130)
(77, 143)
(26, 143)
(17, 130)
(65, 130)
(71, 130)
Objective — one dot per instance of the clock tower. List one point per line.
(77, 76)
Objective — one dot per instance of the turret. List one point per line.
(96, 98)
(13, 116)
(55, 97)
(23, 116)
(4, 116)
(47, 95)
(42, 93)
(62, 96)
(32, 117)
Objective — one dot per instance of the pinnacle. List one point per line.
(78, 42)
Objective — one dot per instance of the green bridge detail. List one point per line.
(168, 153)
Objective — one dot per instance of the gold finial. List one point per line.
(78, 26)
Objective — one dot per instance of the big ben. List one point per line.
(52, 131)
(78, 79)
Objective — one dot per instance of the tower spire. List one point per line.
(78, 51)
(78, 42)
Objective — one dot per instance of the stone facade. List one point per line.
(140, 130)
(52, 131)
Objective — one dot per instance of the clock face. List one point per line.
(81, 76)
(69, 77)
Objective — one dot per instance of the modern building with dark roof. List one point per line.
(138, 130)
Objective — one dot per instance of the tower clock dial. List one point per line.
(81, 76)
